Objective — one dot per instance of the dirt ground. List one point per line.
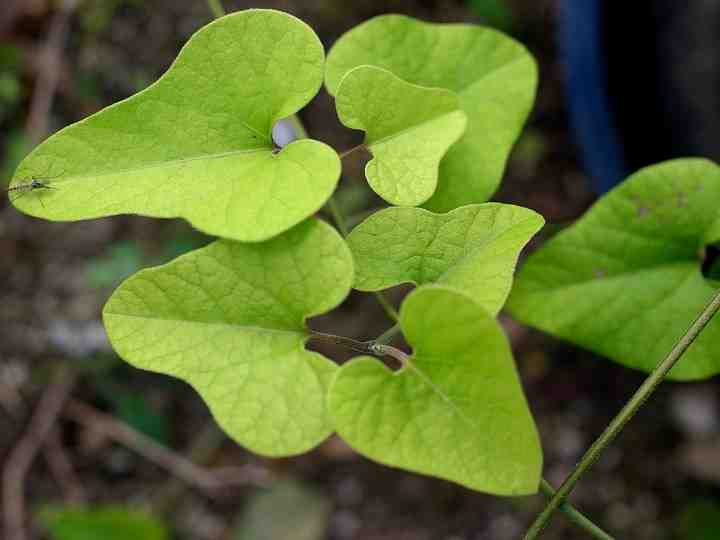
(55, 277)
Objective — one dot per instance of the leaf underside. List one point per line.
(229, 320)
(494, 76)
(197, 143)
(625, 281)
(456, 411)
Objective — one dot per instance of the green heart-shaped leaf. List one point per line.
(456, 410)
(625, 280)
(197, 143)
(473, 249)
(409, 128)
(230, 320)
(494, 76)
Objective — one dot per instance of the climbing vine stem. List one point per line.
(624, 416)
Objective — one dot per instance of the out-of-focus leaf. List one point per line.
(494, 13)
(110, 523)
(122, 260)
(287, 510)
(700, 520)
(133, 409)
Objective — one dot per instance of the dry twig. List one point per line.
(37, 126)
(23, 454)
(62, 470)
(209, 481)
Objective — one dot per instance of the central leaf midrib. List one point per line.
(625, 275)
(470, 253)
(491, 73)
(302, 332)
(426, 380)
(160, 164)
(409, 129)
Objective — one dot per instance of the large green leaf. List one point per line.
(197, 144)
(408, 130)
(494, 76)
(473, 249)
(625, 280)
(105, 523)
(229, 319)
(456, 410)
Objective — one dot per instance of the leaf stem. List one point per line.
(387, 335)
(343, 228)
(622, 418)
(390, 311)
(337, 216)
(365, 347)
(216, 8)
(346, 153)
(574, 515)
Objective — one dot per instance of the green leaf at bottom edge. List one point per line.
(103, 523)
(456, 411)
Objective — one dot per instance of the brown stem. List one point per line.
(23, 454)
(186, 470)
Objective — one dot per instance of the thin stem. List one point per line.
(390, 311)
(297, 124)
(342, 226)
(346, 153)
(365, 347)
(574, 515)
(392, 352)
(387, 335)
(216, 8)
(337, 216)
(627, 412)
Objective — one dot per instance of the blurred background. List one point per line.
(92, 448)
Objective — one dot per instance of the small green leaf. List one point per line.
(455, 411)
(408, 130)
(473, 249)
(230, 320)
(625, 281)
(197, 143)
(494, 76)
(109, 523)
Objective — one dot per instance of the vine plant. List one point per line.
(441, 106)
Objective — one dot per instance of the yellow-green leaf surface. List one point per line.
(455, 411)
(494, 76)
(408, 128)
(197, 143)
(625, 281)
(230, 320)
(473, 249)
